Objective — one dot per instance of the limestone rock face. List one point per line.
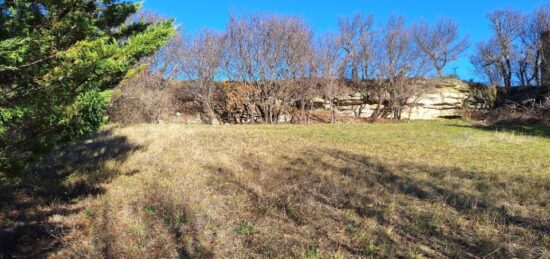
(446, 98)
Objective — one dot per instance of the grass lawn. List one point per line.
(420, 189)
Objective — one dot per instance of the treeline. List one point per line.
(518, 51)
(280, 61)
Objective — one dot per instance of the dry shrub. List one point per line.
(152, 99)
(521, 105)
(324, 116)
(527, 110)
(472, 114)
(236, 103)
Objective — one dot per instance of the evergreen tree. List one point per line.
(56, 57)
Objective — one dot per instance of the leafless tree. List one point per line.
(524, 65)
(506, 25)
(545, 62)
(355, 37)
(301, 65)
(486, 62)
(398, 61)
(165, 63)
(264, 50)
(328, 63)
(515, 52)
(531, 60)
(201, 65)
(295, 79)
(168, 60)
(441, 43)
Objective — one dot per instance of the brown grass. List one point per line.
(422, 189)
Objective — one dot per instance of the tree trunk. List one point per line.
(269, 115)
(279, 112)
(439, 72)
(333, 115)
(376, 113)
(309, 113)
(263, 112)
(210, 113)
(508, 78)
(354, 71)
(302, 110)
(360, 111)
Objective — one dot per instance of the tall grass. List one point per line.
(421, 189)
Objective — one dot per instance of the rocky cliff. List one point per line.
(444, 98)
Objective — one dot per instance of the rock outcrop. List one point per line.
(445, 98)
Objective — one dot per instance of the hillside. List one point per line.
(420, 189)
(158, 100)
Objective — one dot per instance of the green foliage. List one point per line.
(150, 208)
(85, 116)
(312, 252)
(88, 214)
(56, 60)
(245, 229)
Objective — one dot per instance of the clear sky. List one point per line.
(323, 15)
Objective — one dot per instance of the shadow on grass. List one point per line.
(533, 129)
(417, 208)
(171, 229)
(320, 198)
(66, 175)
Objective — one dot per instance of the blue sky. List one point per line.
(323, 15)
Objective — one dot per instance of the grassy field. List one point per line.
(413, 190)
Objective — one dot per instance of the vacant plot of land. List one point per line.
(422, 189)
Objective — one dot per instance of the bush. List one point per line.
(236, 102)
(151, 99)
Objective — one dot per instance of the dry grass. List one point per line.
(421, 189)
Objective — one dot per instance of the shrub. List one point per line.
(149, 98)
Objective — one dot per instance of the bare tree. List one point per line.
(532, 52)
(515, 53)
(441, 43)
(486, 62)
(300, 62)
(354, 38)
(398, 61)
(328, 63)
(507, 27)
(166, 62)
(545, 62)
(201, 65)
(524, 65)
(262, 50)
(298, 58)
